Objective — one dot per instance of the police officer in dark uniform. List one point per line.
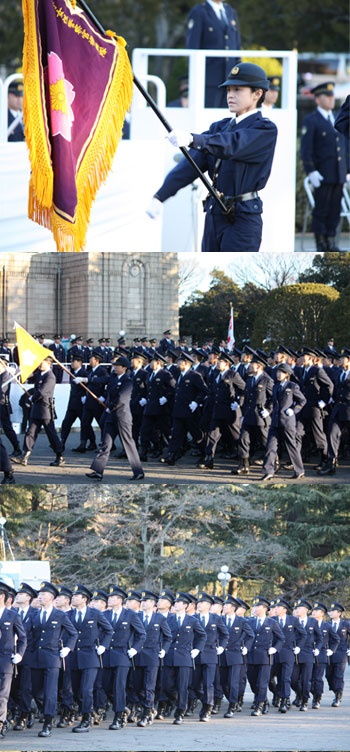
(14, 112)
(171, 359)
(240, 640)
(88, 350)
(330, 642)
(188, 639)
(96, 380)
(94, 636)
(190, 391)
(103, 350)
(317, 388)
(237, 153)
(208, 658)
(59, 353)
(148, 660)
(21, 690)
(325, 155)
(75, 404)
(284, 661)
(156, 421)
(199, 366)
(288, 400)
(164, 604)
(308, 656)
(139, 389)
(13, 642)
(340, 415)
(268, 640)
(6, 409)
(166, 343)
(213, 25)
(51, 636)
(256, 411)
(5, 351)
(42, 414)
(77, 348)
(226, 415)
(337, 662)
(118, 421)
(128, 637)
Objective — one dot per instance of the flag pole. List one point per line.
(161, 117)
(70, 374)
(14, 378)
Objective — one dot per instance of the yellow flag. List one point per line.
(30, 352)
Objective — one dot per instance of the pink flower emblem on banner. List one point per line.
(61, 95)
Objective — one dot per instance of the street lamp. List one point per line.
(224, 576)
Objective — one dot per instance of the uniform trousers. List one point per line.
(145, 679)
(220, 427)
(244, 235)
(258, 677)
(250, 437)
(5, 422)
(45, 687)
(83, 687)
(180, 428)
(283, 673)
(275, 437)
(326, 212)
(230, 681)
(89, 413)
(301, 679)
(5, 462)
(203, 682)
(21, 690)
(33, 433)
(111, 429)
(335, 430)
(114, 683)
(317, 682)
(177, 679)
(335, 675)
(5, 687)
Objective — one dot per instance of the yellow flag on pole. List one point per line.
(30, 352)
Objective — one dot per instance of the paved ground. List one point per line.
(309, 242)
(324, 730)
(118, 471)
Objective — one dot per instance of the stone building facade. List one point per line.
(91, 294)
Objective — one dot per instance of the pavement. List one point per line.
(324, 730)
(38, 470)
(308, 242)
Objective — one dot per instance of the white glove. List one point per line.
(64, 652)
(315, 178)
(264, 413)
(154, 209)
(219, 650)
(321, 404)
(348, 652)
(79, 380)
(193, 406)
(83, 400)
(244, 651)
(16, 658)
(100, 649)
(161, 653)
(348, 177)
(179, 138)
(162, 400)
(329, 652)
(132, 652)
(234, 405)
(316, 652)
(108, 410)
(102, 399)
(142, 402)
(331, 401)
(271, 651)
(296, 651)
(194, 653)
(289, 412)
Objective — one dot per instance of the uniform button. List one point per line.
(41, 639)
(39, 647)
(339, 159)
(175, 648)
(338, 148)
(78, 648)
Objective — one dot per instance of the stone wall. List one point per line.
(91, 294)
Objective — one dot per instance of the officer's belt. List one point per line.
(241, 197)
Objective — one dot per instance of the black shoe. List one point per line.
(209, 463)
(84, 724)
(20, 723)
(160, 711)
(216, 707)
(191, 708)
(92, 447)
(146, 719)
(139, 476)
(8, 479)
(298, 476)
(303, 706)
(259, 709)
(4, 728)
(337, 700)
(242, 469)
(116, 723)
(66, 718)
(316, 704)
(329, 468)
(321, 244)
(80, 449)
(30, 721)
(283, 707)
(266, 707)
(179, 718)
(16, 453)
(58, 462)
(232, 709)
(297, 701)
(22, 460)
(47, 728)
(323, 462)
(267, 476)
(94, 475)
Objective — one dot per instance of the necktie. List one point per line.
(43, 618)
(79, 619)
(146, 621)
(281, 623)
(179, 621)
(229, 622)
(223, 18)
(21, 613)
(258, 624)
(203, 620)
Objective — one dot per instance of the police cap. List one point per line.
(247, 74)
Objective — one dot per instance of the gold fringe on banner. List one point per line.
(98, 158)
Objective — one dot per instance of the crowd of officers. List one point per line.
(75, 653)
(245, 403)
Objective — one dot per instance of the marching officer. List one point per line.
(51, 637)
(317, 388)
(156, 420)
(237, 152)
(288, 400)
(139, 389)
(150, 658)
(171, 359)
(213, 25)
(340, 415)
(188, 639)
(42, 414)
(13, 642)
(166, 343)
(21, 690)
(337, 662)
(190, 391)
(96, 380)
(94, 636)
(284, 661)
(128, 637)
(6, 409)
(75, 403)
(330, 642)
(208, 658)
(226, 415)
(268, 640)
(118, 421)
(77, 348)
(240, 640)
(5, 350)
(325, 156)
(308, 656)
(59, 353)
(256, 412)
(164, 607)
